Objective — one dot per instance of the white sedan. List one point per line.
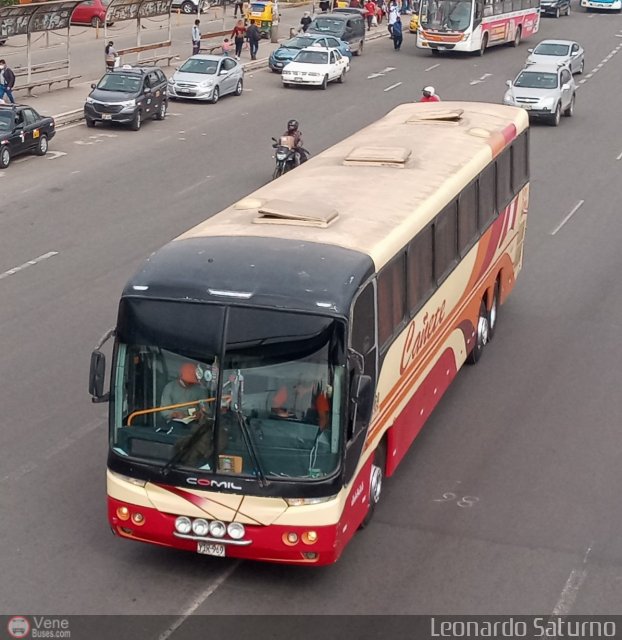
(316, 66)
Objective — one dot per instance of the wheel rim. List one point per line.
(6, 156)
(239, 88)
(493, 313)
(187, 8)
(375, 484)
(43, 144)
(557, 114)
(163, 110)
(482, 331)
(138, 119)
(216, 94)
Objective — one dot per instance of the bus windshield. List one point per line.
(266, 403)
(446, 15)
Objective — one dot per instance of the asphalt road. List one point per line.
(508, 502)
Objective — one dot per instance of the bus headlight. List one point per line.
(200, 527)
(183, 525)
(299, 502)
(236, 530)
(217, 529)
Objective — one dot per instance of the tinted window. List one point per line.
(391, 298)
(487, 197)
(420, 269)
(467, 218)
(363, 337)
(30, 117)
(228, 64)
(520, 162)
(504, 180)
(565, 76)
(445, 241)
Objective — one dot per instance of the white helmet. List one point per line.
(429, 91)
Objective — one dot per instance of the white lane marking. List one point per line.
(199, 600)
(565, 220)
(583, 81)
(474, 82)
(388, 69)
(393, 86)
(52, 155)
(619, 157)
(438, 64)
(571, 588)
(618, 35)
(589, 75)
(30, 263)
(375, 75)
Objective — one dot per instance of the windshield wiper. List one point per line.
(250, 445)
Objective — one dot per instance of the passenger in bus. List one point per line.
(185, 388)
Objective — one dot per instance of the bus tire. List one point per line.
(483, 46)
(516, 41)
(481, 335)
(375, 483)
(493, 313)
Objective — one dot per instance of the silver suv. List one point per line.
(544, 90)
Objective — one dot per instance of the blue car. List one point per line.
(288, 50)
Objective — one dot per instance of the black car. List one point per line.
(128, 95)
(23, 130)
(555, 7)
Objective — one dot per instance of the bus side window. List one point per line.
(391, 298)
(467, 218)
(446, 241)
(520, 162)
(487, 197)
(363, 332)
(497, 7)
(504, 180)
(479, 12)
(420, 269)
(488, 10)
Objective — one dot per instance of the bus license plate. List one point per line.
(211, 549)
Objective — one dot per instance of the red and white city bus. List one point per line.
(475, 25)
(273, 364)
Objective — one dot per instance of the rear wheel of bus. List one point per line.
(493, 313)
(481, 334)
(375, 482)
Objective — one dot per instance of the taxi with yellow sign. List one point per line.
(23, 130)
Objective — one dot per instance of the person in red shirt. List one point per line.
(370, 8)
(238, 34)
(429, 95)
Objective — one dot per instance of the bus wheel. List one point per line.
(482, 335)
(494, 311)
(516, 40)
(375, 482)
(483, 46)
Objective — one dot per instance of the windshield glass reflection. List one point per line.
(446, 15)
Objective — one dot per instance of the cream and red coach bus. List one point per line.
(272, 365)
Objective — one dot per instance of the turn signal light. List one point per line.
(138, 519)
(309, 537)
(309, 555)
(123, 513)
(290, 538)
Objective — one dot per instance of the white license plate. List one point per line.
(297, 79)
(527, 107)
(106, 116)
(211, 549)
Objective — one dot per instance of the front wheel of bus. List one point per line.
(516, 41)
(482, 333)
(375, 482)
(484, 44)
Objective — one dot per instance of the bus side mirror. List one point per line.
(97, 375)
(363, 400)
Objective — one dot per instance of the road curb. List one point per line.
(68, 117)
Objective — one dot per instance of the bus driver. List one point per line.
(185, 388)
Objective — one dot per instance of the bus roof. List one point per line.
(376, 189)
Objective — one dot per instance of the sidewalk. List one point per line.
(66, 105)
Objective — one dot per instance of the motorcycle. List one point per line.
(285, 155)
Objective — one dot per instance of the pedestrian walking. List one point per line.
(397, 34)
(196, 38)
(370, 12)
(305, 21)
(7, 82)
(254, 36)
(110, 55)
(239, 6)
(246, 8)
(226, 47)
(393, 14)
(238, 34)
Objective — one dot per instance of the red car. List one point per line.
(91, 12)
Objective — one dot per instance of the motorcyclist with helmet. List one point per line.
(300, 154)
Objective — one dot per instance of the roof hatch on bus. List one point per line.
(307, 214)
(378, 157)
(442, 116)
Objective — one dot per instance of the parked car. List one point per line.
(316, 66)
(207, 77)
(189, 6)
(23, 130)
(290, 48)
(559, 52)
(128, 95)
(349, 27)
(91, 12)
(555, 7)
(544, 90)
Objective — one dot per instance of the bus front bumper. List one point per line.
(273, 543)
